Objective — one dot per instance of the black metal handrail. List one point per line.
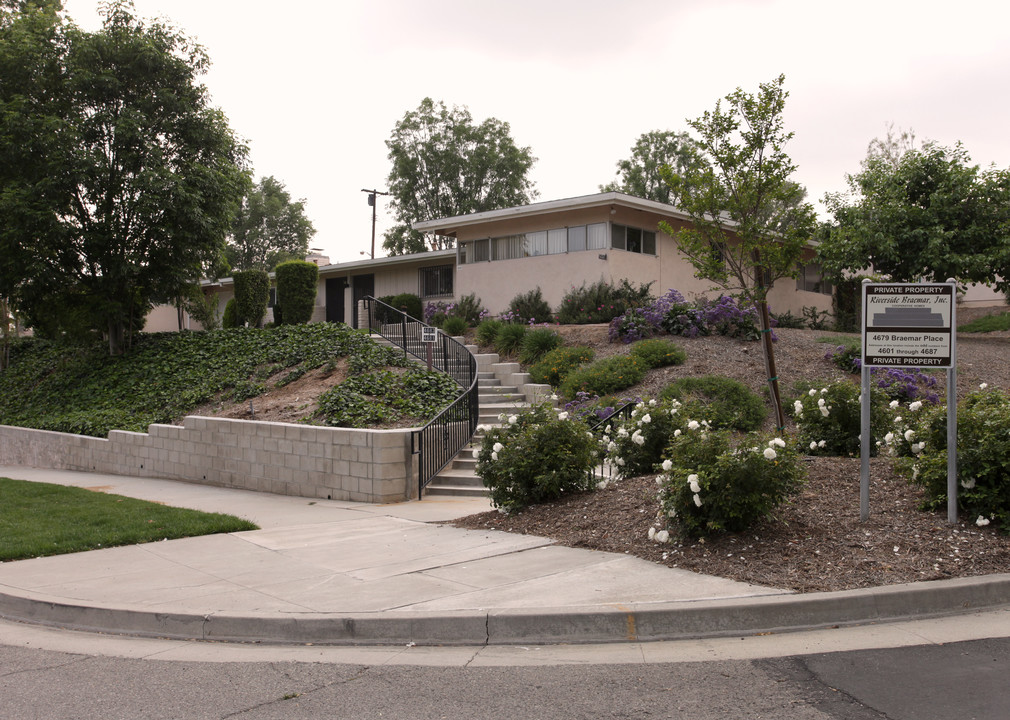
(623, 411)
(438, 442)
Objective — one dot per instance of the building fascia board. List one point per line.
(450, 226)
(359, 265)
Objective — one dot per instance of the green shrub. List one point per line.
(471, 309)
(408, 303)
(788, 320)
(555, 366)
(487, 332)
(530, 307)
(202, 308)
(252, 293)
(983, 457)
(635, 445)
(296, 291)
(454, 326)
(722, 401)
(711, 486)
(829, 419)
(846, 355)
(536, 458)
(509, 339)
(604, 377)
(230, 319)
(987, 323)
(536, 343)
(659, 352)
(600, 302)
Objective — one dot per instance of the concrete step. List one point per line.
(434, 490)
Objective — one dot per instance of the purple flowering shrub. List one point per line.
(672, 314)
(906, 384)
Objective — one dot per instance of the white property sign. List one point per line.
(908, 324)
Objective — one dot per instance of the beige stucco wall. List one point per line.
(497, 282)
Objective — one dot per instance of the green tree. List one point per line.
(931, 214)
(445, 165)
(118, 180)
(269, 228)
(640, 174)
(750, 226)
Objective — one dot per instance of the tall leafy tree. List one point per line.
(929, 214)
(118, 180)
(269, 228)
(444, 165)
(641, 176)
(750, 226)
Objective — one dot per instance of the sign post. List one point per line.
(909, 325)
(429, 336)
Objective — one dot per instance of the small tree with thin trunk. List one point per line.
(750, 226)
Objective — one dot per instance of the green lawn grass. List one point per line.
(38, 519)
(988, 323)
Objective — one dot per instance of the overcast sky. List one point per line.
(316, 86)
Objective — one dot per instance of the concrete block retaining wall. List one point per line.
(282, 458)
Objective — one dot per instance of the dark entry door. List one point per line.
(363, 285)
(335, 299)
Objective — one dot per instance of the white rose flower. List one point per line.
(513, 419)
(824, 411)
(602, 485)
(812, 392)
(909, 434)
(898, 419)
(611, 447)
(498, 447)
(777, 442)
(915, 406)
(622, 433)
(663, 536)
(676, 433)
(652, 403)
(770, 453)
(697, 499)
(607, 429)
(813, 445)
(893, 404)
(647, 418)
(889, 438)
(823, 390)
(476, 453)
(983, 386)
(820, 402)
(982, 521)
(638, 438)
(620, 462)
(494, 456)
(798, 407)
(652, 533)
(692, 481)
(667, 465)
(562, 416)
(968, 483)
(822, 443)
(693, 425)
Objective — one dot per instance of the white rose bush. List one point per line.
(828, 418)
(715, 481)
(634, 445)
(983, 454)
(535, 457)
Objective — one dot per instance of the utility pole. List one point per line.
(371, 201)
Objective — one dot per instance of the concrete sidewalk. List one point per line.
(329, 572)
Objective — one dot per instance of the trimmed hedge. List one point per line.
(296, 291)
(252, 293)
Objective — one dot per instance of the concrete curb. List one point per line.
(542, 626)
